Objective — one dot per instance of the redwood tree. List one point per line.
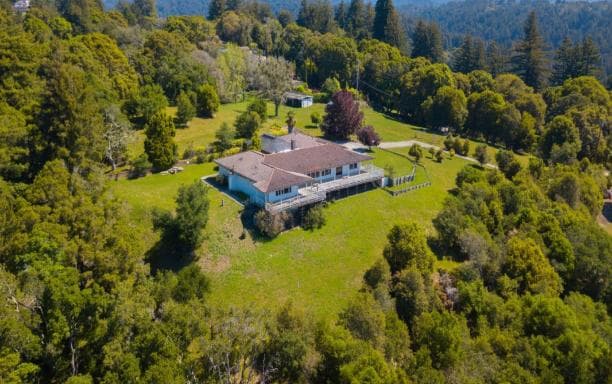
(343, 117)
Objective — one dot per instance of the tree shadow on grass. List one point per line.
(168, 253)
(165, 255)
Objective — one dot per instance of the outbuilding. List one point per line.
(298, 100)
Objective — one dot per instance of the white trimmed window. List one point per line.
(354, 166)
(281, 192)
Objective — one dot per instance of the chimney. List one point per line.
(292, 144)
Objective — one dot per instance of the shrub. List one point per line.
(188, 153)
(201, 156)
(316, 118)
(416, 151)
(271, 225)
(449, 141)
(246, 124)
(368, 136)
(221, 179)
(466, 147)
(480, 154)
(378, 274)
(260, 107)
(314, 218)
(321, 97)
(330, 86)
(140, 166)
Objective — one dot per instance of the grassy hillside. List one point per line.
(319, 269)
(201, 132)
(305, 267)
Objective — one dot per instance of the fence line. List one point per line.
(411, 188)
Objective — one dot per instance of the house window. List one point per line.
(353, 166)
(281, 192)
(338, 171)
(326, 172)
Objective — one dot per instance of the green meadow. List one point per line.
(319, 270)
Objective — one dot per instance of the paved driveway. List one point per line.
(403, 144)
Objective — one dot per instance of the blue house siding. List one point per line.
(272, 198)
(237, 183)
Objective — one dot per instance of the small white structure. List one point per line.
(21, 6)
(298, 100)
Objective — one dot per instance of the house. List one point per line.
(297, 170)
(298, 100)
(21, 6)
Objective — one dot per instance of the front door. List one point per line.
(339, 172)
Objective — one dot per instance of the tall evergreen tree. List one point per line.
(566, 62)
(589, 57)
(341, 15)
(530, 62)
(317, 15)
(575, 60)
(496, 59)
(216, 9)
(145, 8)
(185, 109)
(427, 42)
(470, 56)
(387, 26)
(159, 144)
(358, 21)
(479, 56)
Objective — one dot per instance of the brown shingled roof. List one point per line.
(301, 140)
(281, 179)
(266, 178)
(315, 158)
(270, 172)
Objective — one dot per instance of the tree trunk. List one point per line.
(276, 105)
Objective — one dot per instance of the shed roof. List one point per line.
(297, 95)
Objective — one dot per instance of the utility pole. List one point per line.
(357, 76)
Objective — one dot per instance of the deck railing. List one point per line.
(302, 199)
(318, 192)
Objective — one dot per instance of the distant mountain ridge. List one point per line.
(200, 7)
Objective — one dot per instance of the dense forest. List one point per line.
(497, 21)
(485, 19)
(529, 303)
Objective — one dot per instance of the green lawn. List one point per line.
(201, 132)
(318, 270)
(389, 159)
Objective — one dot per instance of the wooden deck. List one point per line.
(318, 192)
